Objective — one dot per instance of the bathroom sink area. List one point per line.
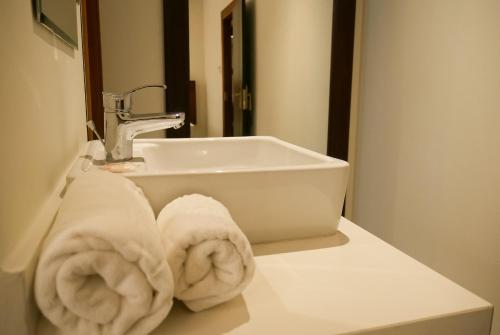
(273, 189)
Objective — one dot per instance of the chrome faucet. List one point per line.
(121, 126)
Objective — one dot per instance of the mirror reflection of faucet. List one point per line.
(121, 126)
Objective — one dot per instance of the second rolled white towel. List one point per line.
(210, 257)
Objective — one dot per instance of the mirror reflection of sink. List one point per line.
(273, 189)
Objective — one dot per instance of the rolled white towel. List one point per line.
(211, 259)
(102, 269)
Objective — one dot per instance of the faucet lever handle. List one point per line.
(121, 103)
(145, 86)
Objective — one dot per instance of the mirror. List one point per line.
(59, 16)
(284, 50)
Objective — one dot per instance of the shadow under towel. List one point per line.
(102, 268)
(210, 257)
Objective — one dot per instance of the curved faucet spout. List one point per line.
(131, 129)
(127, 131)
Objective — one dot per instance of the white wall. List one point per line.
(197, 65)
(292, 70)
(133, 51)
(427, 176)
(42, 129)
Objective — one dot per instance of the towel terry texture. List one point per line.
(211, 259)
(102, 269)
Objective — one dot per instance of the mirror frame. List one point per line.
(342, 58)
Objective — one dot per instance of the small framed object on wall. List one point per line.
(59, 16)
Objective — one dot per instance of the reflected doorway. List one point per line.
(236, 97)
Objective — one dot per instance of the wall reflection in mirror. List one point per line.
(257, 67)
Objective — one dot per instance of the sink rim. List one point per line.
(325, 162)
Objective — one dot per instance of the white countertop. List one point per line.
(348, 283)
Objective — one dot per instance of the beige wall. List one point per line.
(353, 121)
(42, 120)
(132, 51)
(427, 176)
(292, 70)
(197, 65)
(42, 129)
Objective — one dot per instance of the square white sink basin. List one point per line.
(274, 190)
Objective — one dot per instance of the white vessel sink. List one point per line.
(273, 189)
